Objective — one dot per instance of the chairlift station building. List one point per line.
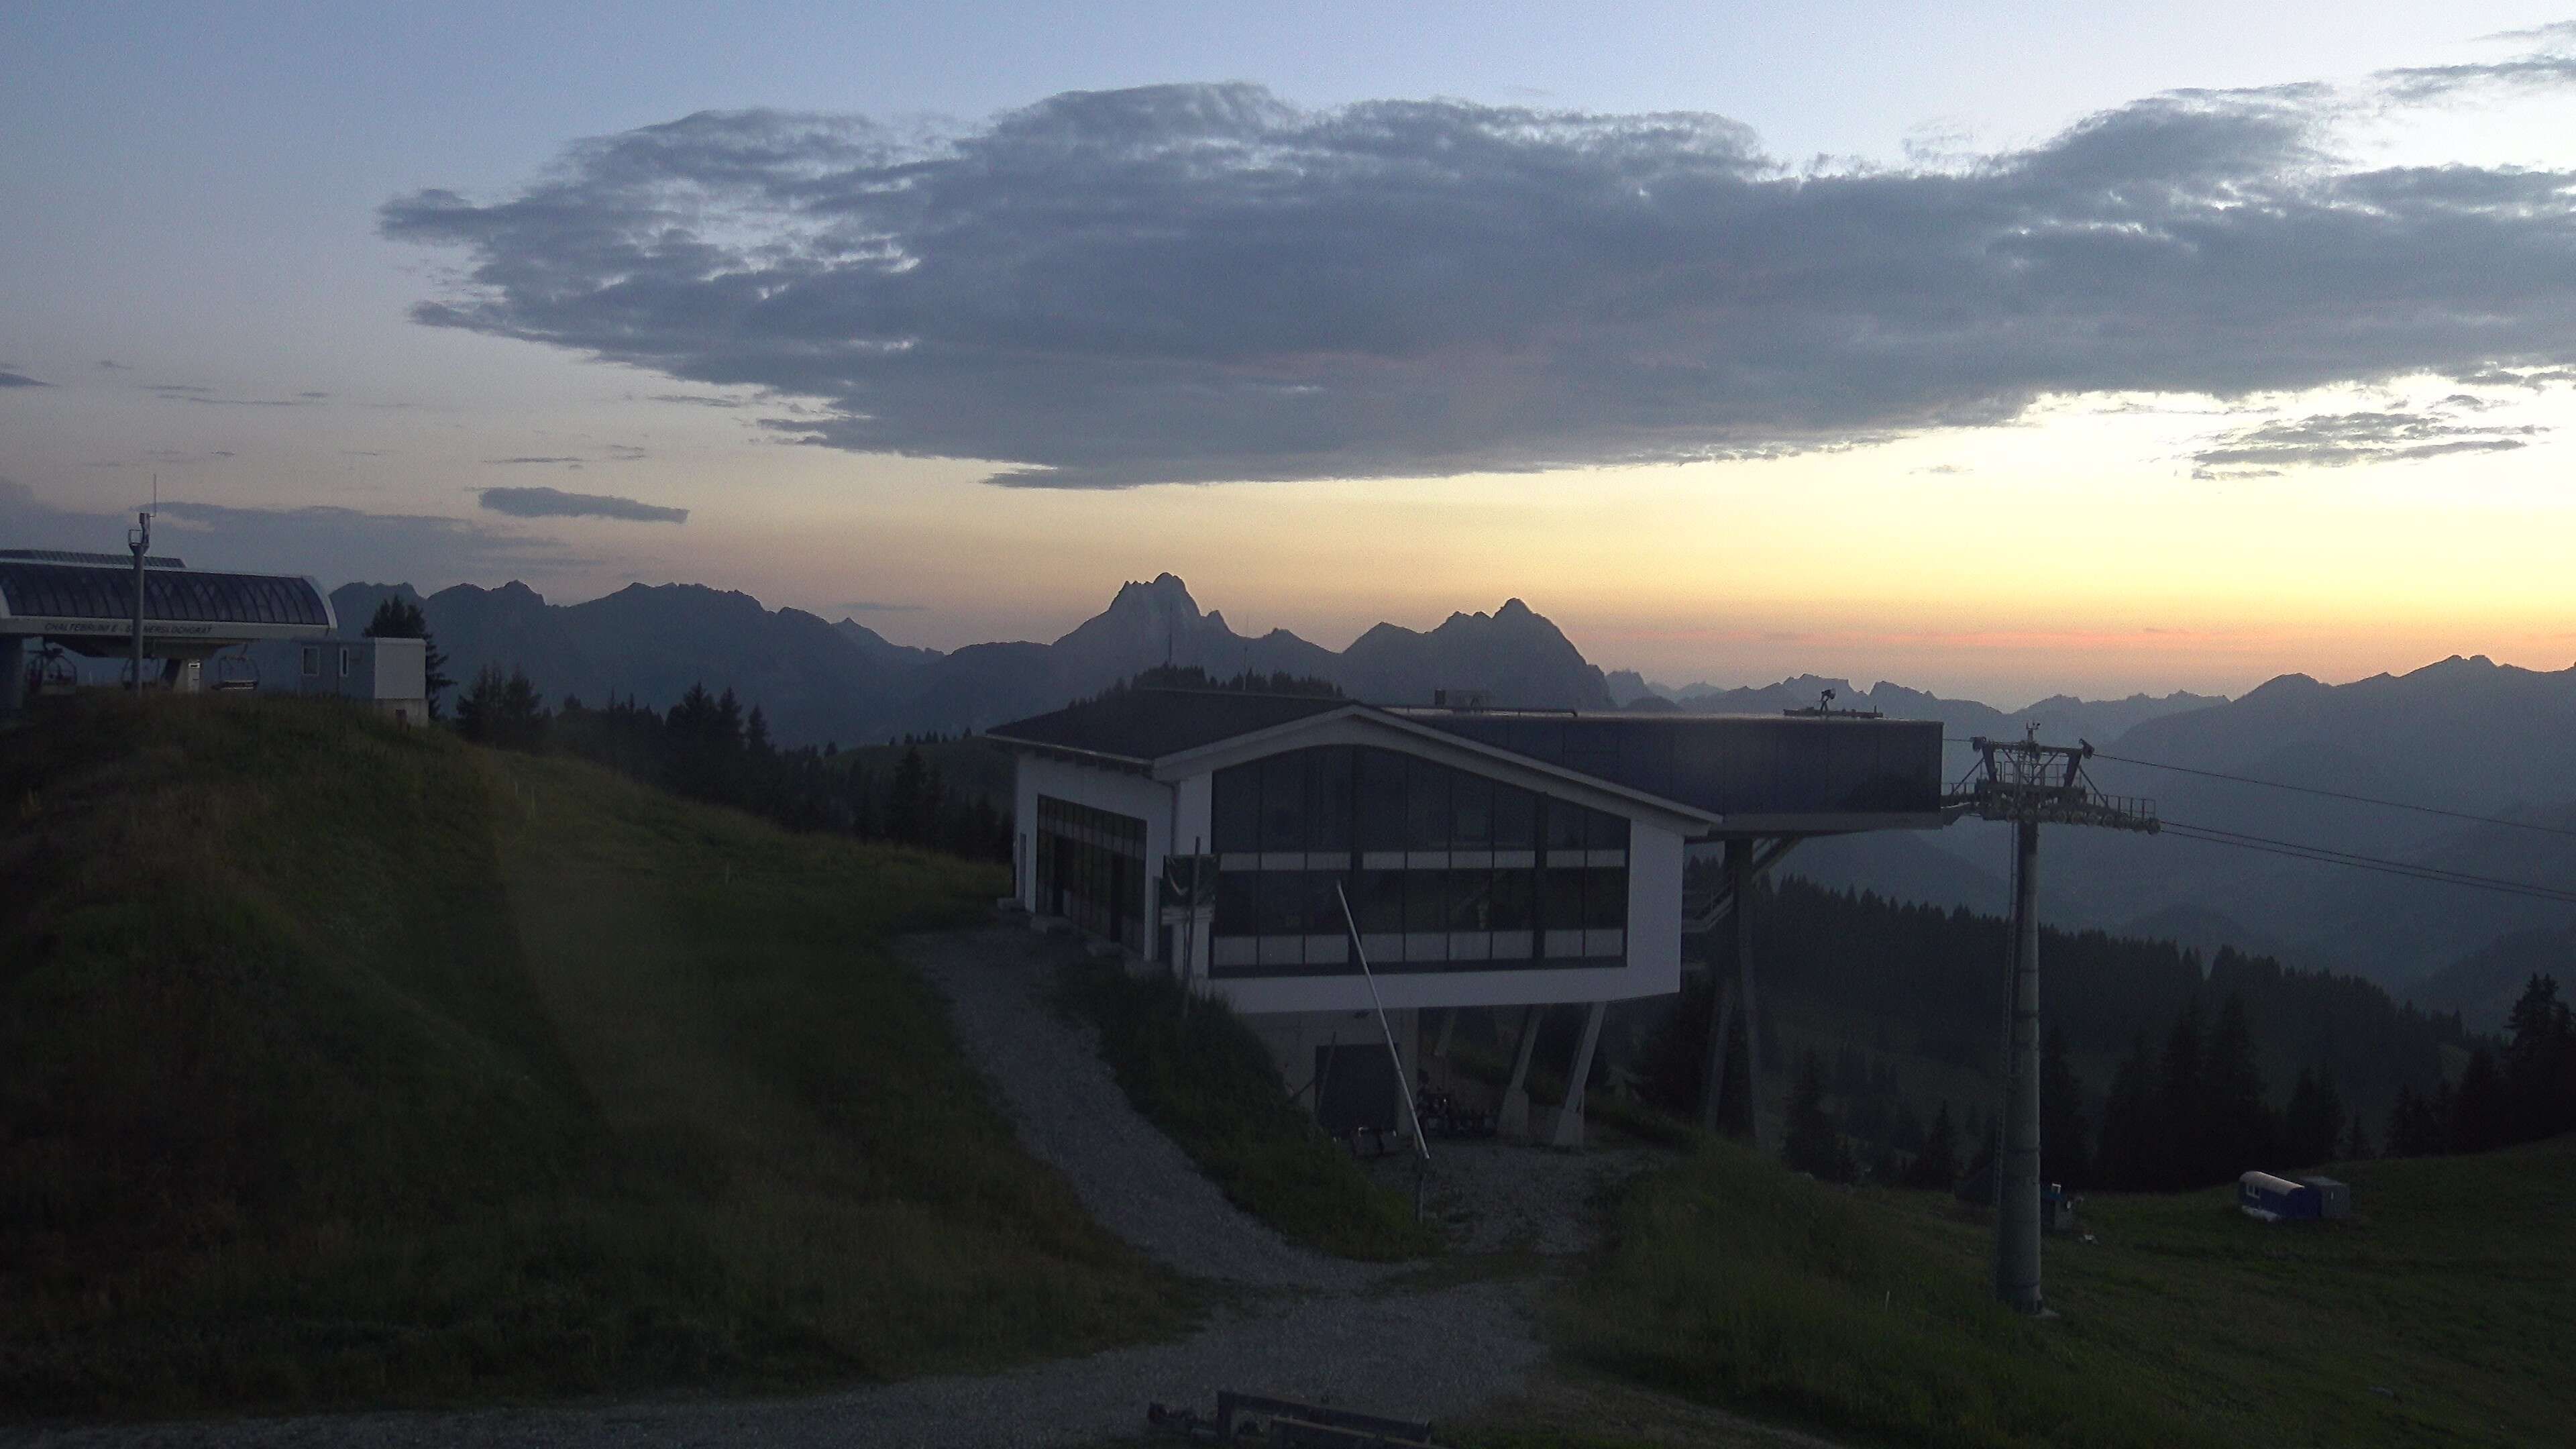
(1490, 857)
(279, 627)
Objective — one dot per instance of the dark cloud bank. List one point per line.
(555, 503)
(1204, 283)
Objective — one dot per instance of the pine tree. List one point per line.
(2177, 1147)
(2237, 1125)
(1813, 1144)
(1977, 1184)
(400, 618)
(2312, 1128)
(2540, 1062)
(905, 796)
(2481, 1114)
(1937, 1165)
(2128, 1158)
(518, 719)
(478, 706)
(2064, 1135)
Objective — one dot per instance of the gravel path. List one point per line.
(1431, 1355)
(1072, 1115)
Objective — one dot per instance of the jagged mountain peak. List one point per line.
(1166, 592)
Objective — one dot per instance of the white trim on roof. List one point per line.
(1270, 740)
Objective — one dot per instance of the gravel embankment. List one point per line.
(1072, 1115)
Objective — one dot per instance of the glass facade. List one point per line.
(1444, 869)
(1091, 869)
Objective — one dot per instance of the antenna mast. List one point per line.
(139, 539)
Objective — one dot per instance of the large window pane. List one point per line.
(1235, 810)
(1381, 800)
(1281, 908)
(1605, 899)
(1381, 901)
(1283, 801)
(1471, 812)
(1604, 831)
(1563, 822)
(1234, 902)
(1560, 899)
(1323, 908)
(1471, 900)
(1426, 900)
(1515, 818)
(1426, 806)
(1328, 798)
(1514, 899)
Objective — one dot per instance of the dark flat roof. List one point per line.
(1144, 725)
(1732, 765)
(1774, 770)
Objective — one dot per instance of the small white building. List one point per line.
(387, 675)
(1488, 857)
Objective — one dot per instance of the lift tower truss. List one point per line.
(2031, 784)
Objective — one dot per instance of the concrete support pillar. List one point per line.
(1739, 879)
(13, 675)
(2017, 1176)
(1448, 1027)
(1569, 1118)
(1721, 1042)
(1514, 1118)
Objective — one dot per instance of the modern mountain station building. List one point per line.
(1489, 857)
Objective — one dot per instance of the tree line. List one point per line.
(710, 747)
(2187, 1106)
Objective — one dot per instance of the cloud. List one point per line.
(110, 365)
(20, 379)
(2339, 440)
(699, 399)
(195, 393)
(1203, 283)
(509, 462)
(871, 606)
(555, 503)
(330, 543)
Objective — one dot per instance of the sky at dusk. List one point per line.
(1999, 351)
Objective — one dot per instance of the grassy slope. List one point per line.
(343, 1063)
(1739, 1284)
(1206, 1080)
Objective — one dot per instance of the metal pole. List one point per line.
(2017, 1169)
(141, 539)
(1404, 1089)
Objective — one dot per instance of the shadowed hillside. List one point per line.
(347, 1063)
